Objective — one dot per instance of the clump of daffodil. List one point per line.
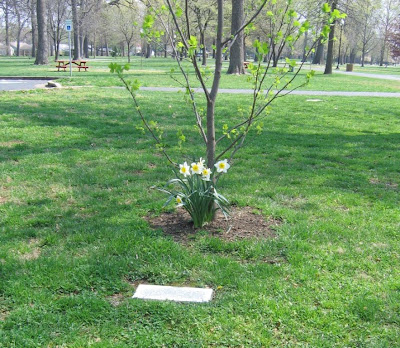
(196, 191)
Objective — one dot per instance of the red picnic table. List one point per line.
(80, 64)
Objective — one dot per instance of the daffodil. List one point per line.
(184, 169)
(179, 201)
(206, 172)
(222, 166)
(196, 168)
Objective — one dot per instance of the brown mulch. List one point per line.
(243, 223)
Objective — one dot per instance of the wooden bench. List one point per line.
(61, 67)
(246, 64)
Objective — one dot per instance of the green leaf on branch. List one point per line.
(326, 8)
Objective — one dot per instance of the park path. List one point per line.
(310, 93)
(18, 85)
(361, 74)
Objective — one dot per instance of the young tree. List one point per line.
(277, 84)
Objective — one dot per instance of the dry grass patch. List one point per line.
(33, 253)
(11, 143)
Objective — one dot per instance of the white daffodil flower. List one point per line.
(196, 168)
(184, 169)
(179, 201)
(206, 172)
(222, 166)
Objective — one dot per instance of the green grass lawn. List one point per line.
(157, 72)
(76, 179)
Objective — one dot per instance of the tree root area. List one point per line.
(243, 223)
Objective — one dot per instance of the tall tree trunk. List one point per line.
(363, 55)
(382, 55)
(42, 50)
(75, 20)
(329, 55)
(319, 53)
(129, 52)
(86, 46)
(274, 56)
(34, 27)
(236, 62)
(148, 50)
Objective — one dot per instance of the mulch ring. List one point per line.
(243, 223)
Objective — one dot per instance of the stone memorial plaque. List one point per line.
(172, 293)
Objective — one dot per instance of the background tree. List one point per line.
(236, 51)
(329, 54)
(387, 17)
(6, 7)
(42, 49)
(57, 14)
(21, 13)
(32, 7)
(394, 39)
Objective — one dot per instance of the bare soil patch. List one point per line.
(244, 223)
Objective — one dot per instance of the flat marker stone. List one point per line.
(172, 293)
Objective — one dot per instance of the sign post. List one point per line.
(68, 28)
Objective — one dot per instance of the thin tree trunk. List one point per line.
(204, 53)
(213, 54)
(6, 19)
(236, 62)
(34, 27)
(42, 53)
(305, 47)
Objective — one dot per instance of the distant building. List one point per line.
(3, 50)
(25, 49)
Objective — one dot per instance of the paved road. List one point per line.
(19, 85)
(311, 93)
